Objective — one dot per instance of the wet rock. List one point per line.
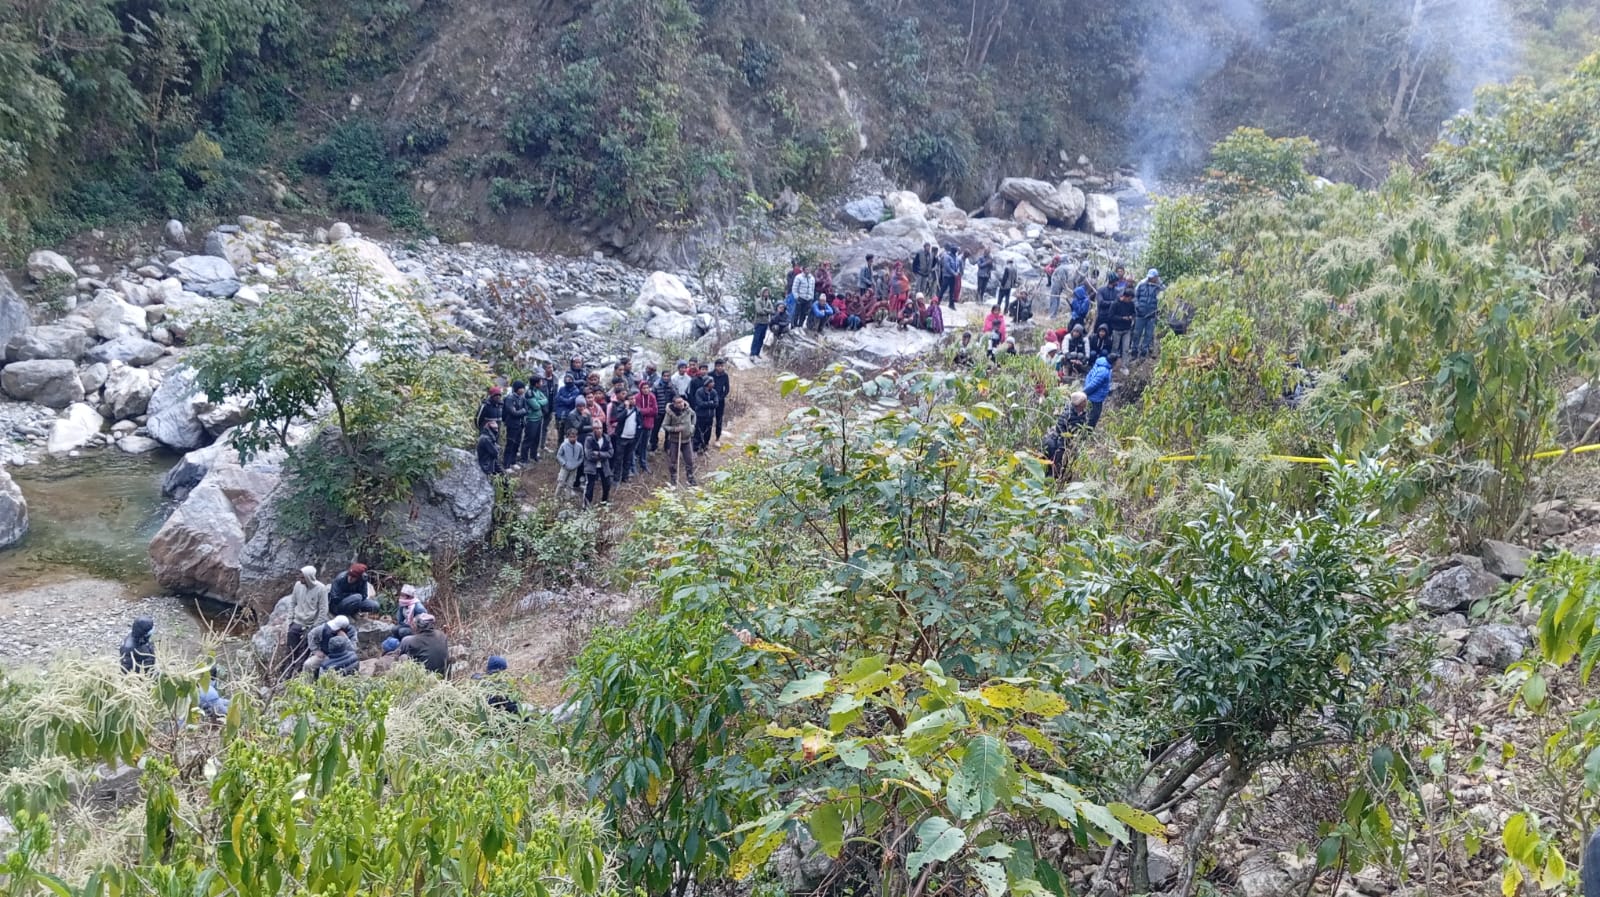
(13, 511)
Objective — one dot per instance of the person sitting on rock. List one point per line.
(933, 318)
(821, 311)
(319, 642)
(308, 607)
(138, 651)
(342, 657)
(911, 313)
(351, 594)
(843, 318)
(427, 646)
(994, 327)
(406, 609)
(212, 703)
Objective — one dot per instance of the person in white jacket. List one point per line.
(308, 608)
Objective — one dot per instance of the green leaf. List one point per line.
(1534, 691)
(753, 853)
(852, 754)
(862, 668)
(1100, 817)
(992, 876)
(812, 685)
(937, 841)
(1138, 820)
(1328, 851)
(977, 783)
(937, 721)
(827, 826)
(1519, 839)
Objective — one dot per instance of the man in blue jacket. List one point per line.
(1146, 305)
(1097, 386)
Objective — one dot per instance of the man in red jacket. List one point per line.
(649, 410)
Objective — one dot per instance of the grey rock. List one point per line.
(45, 266)
(1102, 216)
(197, 551)
(340, 231)
(93, 377)
(273, 634)
(1268, 874)
(137, 445)
(1163, 864)
(1454, 588)
(51, 341)
(864, 212)
(115, 317)
(130, 350)
(175, 234)
(1504, 559)
(190, 470)
(13, 511)
(128, 391)
(218, 289)
(53, 383)
(14, 316)
(200, 269)
(1062, 205)
(174, 420)
(1496, 646)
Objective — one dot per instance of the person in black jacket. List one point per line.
(598, 450)
(489, 448)
(427, 646)
(663, 390)
(138, 652)
(516, 419)
(550, 387)
(493, 407)
(724, 385)
(342, 657)
(705, 412)
(1107, 297)
(349, 594)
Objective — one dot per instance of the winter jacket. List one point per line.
(342, 657)
(490, 410)
(538, 403)
(820, 309)
(995, 323)
(663, 392)
(429, 648)
(681, 384)
(566, 400)
(1107, 298)
(706, 401)
(824, 281)
(1098, 384)
(805, 288)
(953, 264)
(864, 278)
(597, 452)
(1121, 316)
(629, 416)
(985, 266)
(648, 407)
(1008, 277)
(1072, 420)
(138, 652)
(342, 589)
(679, 425)
(570, 455)
(1080, 303)
(321, 638)
(516, 410)
(489, 452)
(308, 604)
(1147, 298)
(403, 618)
(1060, 279)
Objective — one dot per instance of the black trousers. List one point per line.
(722, 408)
(604, 476)
(515, 430)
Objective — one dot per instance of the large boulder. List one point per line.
(198, 550)
(666, 292)
(202, 269)
(13, 511)
(133, 350)
(911, 230)
(670, 325)
(1027, 214)
(174, 417)
(597, 318)
(1062, 205)
(115, 317)
(45, 266)
(1101, 215)
(1496, 646)
(1455, 588)
(51, 341)
(75, 430)
(14, 317)
(128, 391)
(1580, 408)
(182, 477)
(50, 382)
(864, 212)
(1504, 559)
(904, 203)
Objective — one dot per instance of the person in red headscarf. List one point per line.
(351, 593)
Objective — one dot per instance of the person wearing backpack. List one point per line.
(1146, 305)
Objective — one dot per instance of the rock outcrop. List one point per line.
(198, 550)
(13, 511)
(50, 382)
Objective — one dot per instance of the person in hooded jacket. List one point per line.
(1097, 386)
(489, 448)
(1080, 306)
(406, 610)
(351, 594)
(985, 272)
(493, 407)
(319, 641)
(533, 429)
(516, 423)
(492, 672)
(566, 402)
(705, 412)
(342, 657)
(427, 646)
(308, 607)
(138, 651)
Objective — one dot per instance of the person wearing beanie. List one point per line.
(342, 657)
(308, 607)
(493, 407)
(319, 642)
(489, 448)
(406, 609)
(427, 646)
(390, 645)
(138, 652)
(516, 423)
(351, 594)
(501, 702)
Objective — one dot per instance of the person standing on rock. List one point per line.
(427, 646)
(569, 460)
(953, 267)
(723, 381)
(138, 652)
(489, 448)
(763, 322)
(308, 608)
(678, 431)
(1008, 282)
(1146, 305)
(533, 428)
(351, 594)
(516, 423)
(985, 272)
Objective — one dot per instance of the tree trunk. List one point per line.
(1234, 778)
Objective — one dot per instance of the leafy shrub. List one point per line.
(361, 173)
(550, 545)
(1182, 240)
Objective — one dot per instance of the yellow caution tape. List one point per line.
(1297, 459)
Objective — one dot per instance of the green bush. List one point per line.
(361, 173)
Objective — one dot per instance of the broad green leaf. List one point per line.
(1534, 691)
(937, 841)
(992, 876)
(1328, 851)
(827, 826)
(862, 668)
(1518, 839)
(1554, 871)
(852, 754)
(1101, 818)
(979, 781)
(1138, 820)
(753, 853)
(800, 689)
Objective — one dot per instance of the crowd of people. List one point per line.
(605, 433)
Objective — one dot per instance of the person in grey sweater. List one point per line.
(308, 607)
(570, 458)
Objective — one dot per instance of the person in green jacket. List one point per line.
(533, 427)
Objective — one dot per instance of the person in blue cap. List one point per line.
(495, 666)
